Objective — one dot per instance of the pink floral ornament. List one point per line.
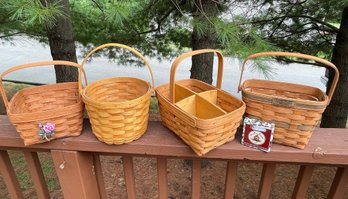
(49, 127)
(46, 130)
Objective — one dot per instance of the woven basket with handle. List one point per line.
(295, 109)
(203, 116)
(57, 104)
(118, 107)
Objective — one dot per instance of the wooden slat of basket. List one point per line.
(182, 92)
(210, 96)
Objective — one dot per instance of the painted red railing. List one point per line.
(79, 170)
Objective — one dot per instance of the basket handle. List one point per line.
(298, 55)
(179, 59)
(125, 47)
(37, 64)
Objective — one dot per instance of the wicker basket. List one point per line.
(32, 108)
(118, 107)
(203, 116)
(295, 109)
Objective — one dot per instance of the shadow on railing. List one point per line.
(80, 173)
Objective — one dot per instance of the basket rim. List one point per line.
(89, 100)
(32, 116)
(297, 101)
(46, 85)
(238, 112)
(27, 117)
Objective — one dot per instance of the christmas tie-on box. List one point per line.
(257, 134)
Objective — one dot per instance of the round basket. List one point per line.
(118, 107)
(295, 109)
(44, 113)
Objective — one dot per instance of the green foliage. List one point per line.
(237, 38)
(154, 105)
(117, 12)
(32, 13)
(149, 26)
(156, 28)
(308, 27)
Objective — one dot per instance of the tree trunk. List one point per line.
(335, 115)
(62, 45)
(202, 65)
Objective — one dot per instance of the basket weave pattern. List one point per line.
(201, 135)
(59, 104)
(203, 131)
(118, 107)
(294, 126)
(295, 109)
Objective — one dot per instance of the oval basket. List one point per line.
(118, 107)
(203, 116)
(58, 104)
(295, 109)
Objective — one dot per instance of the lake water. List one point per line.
(25, 50)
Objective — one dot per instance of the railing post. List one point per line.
(9, 176)
(302, 182)
(266, 180)
(76, 174)
(99, 176)
(230, 181)
(129, 176)
(37, 175)
(162, 178)
(339, 183)
(196, 178)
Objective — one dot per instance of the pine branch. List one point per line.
(292, 33)
(281, 21)
(19, 33)
(159, 22)
(98, 6)
(333, 28)
(10, 35)
(290, 61)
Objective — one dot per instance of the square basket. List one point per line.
(295, 109)
(203, 116)
(44, 113)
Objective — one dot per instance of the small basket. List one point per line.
(203, 116)
(118, 107)
(295, 109)
(55, 106)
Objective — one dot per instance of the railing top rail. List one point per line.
(327, 146)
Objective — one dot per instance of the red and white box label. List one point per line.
(257, 134)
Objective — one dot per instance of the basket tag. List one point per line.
(257, 134)
(283, 102)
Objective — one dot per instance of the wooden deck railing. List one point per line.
(79, 170)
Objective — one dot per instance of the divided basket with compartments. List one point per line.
(295, 109)
(203, 116)
(44, 113)
(118, 107)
